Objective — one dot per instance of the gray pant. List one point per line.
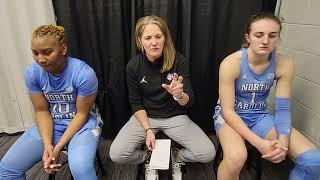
(126, 147)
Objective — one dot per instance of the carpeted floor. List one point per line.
(192, 171)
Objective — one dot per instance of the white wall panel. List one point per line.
(307, 93)
(306, 120)
(307, 65)
(300, 11)
(300, 39)
(303, 37)
(19, 18)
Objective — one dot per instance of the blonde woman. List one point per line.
(160, 93)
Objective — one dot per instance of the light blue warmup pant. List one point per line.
(28, 150)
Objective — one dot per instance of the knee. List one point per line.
(4, 172)
(235, 159)
(308, 163)
(116, 155)
(81, 166)
(207, 154)
(10, 174)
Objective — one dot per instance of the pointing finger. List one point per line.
(180, 79)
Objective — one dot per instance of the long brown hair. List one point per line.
(169, 51)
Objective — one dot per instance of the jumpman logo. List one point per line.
(244, 76)
(143, 80)
(270, 76)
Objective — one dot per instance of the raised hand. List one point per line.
(175, 87)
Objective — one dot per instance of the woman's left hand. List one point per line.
(279, 153)
(54, 166)
(175, 87)
(150, 140)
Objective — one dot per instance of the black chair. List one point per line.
(254, 159)
(98, 160)
(162, 173)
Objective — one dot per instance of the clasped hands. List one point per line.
(50, 159)
(273, 150)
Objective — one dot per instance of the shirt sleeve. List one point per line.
(87, 82)
(135, 95)
(183, 70)
(30, 80)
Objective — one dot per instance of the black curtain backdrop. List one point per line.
(101, 32)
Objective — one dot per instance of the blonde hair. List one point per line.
(169, 51)
(56, 32)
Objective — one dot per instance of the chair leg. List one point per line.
(254, 157)
(100, 164)
(217, 158)
(51, 177)
(259, 168)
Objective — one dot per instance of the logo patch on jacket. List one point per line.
(143, 80)
(169, 77)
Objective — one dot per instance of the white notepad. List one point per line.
(160, 156)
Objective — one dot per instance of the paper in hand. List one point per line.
(160, 156)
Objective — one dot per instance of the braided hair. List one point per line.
(56, 32)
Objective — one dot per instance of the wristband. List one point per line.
(177, 99)
(148, 129)
(282, 119)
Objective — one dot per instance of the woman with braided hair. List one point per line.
(62, 90)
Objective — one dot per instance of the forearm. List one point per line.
(236, 123)
(45, 126)
(184, 99)
(284, 140)
(75, 125)
(143, 119)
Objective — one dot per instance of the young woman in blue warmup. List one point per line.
(62, 90)
(245, 79)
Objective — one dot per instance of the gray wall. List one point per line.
(18, 19)
(300, 39)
